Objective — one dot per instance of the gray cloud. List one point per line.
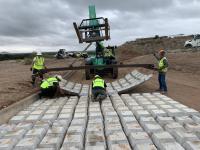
(47, 24)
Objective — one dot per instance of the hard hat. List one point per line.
(39, 53)
(161, 51)
(59, 77)
(97, 76)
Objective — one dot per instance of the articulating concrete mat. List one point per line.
(123, 85)
(146, 121)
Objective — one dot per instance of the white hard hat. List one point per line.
(39, 53)
(59, 77)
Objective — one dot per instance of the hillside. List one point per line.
(150, 45)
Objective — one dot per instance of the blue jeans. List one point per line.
(162, 82)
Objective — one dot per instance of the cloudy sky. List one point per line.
(27, 25)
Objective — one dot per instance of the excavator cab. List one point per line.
(93, 29)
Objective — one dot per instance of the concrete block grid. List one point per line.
(136, 121)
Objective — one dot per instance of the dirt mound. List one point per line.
(150, 45)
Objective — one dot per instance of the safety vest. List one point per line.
(38, 63)
(98, 83)
(107, 53)
(48, 82)
(161, 65)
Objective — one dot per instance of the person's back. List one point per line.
(98, 88)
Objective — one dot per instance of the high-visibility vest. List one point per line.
(98, 83)
(48, 82)
(161, 64)
(107, 53)
(38, 63)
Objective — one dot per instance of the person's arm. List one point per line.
(32, 64)
(156, 56)
(105, 84)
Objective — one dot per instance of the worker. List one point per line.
(98, 88)
(50, 87)
(162, 70)
(37, 67)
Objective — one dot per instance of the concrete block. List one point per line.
(33, 118)
(95, 138)
(130, 119)
(184, 119)
(183, 136)
(52, 111)
(45, 149)
(36, 132)
(192, 145)
(166, 106)
(158, 112)
(139, 138)
(164, 120)
(99, 147)
(16, 133)
(124, 146)
(76, 130)
(171, 146)
(65, 116)
(49, 117)
(73, 140)
(79, 121)
(95, 120)
(56, 130)
(145, 146)
(63, 123)
(116, 138)
(132, 127)
(162, 137)
(150, 107)
(125, 113)
(17, 119)
(7, 144)
(110, 113)
(194, 127)
(95, 114)
(174, 112)
(196, 118)
(135, 108)
(42, 124)
(173, 126)
(23, 113)
(152, 127)
(190, 111)
(144, 120)
(24, 125)
(95, 128)
(37, 112)
(51, 142)
(113, 127)
(142, 113)
(27, 143)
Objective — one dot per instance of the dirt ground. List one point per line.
(15, 78)
(182, 78)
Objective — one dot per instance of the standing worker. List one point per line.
(37, 66)
(98, 89)
(50, 87)
(162, 70)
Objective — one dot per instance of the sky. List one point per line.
(47, 25)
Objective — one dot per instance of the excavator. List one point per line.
(96, 30)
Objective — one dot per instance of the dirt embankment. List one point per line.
(15, 79)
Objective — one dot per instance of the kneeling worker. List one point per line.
(50, 87)
(98, 89)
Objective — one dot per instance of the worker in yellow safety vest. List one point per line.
(162, 70)
(50, 87)
(38, 65)
(98, 88)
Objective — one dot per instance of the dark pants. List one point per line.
(97, 91)
(48, 92)
(37, 73)
(162, 82)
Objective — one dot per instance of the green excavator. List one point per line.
(97, 30)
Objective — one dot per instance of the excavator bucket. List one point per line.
(93, 29)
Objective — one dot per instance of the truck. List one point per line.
(195, 42)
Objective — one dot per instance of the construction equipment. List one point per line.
(96, 30)
(61, 54)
